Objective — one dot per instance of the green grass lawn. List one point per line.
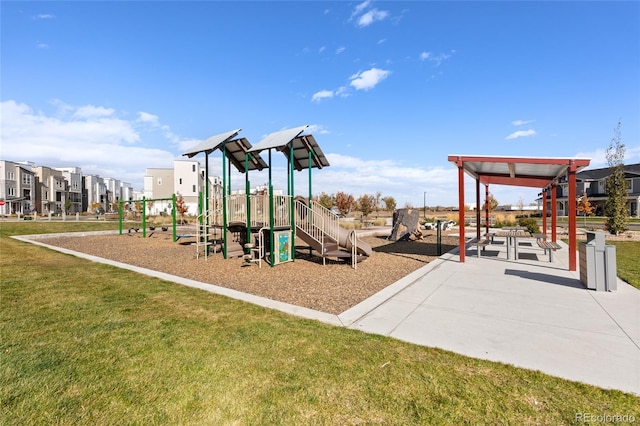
(86, 343)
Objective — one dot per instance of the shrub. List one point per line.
(530, 223)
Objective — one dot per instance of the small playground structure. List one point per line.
(263, 225)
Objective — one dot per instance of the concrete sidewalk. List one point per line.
(530, 313)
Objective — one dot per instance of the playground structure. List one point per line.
(263, 225)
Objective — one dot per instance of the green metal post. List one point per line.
(200, 211)
(224, 201)
(144, 217)
(247, 191)
(173, 217)
(120, 216)
(310, 192)
(271, 235)
(292, 219)
(206, 202)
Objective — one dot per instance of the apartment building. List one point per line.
(50, 190)
(94, 194)
(185, 178)
(73, 176)
(17, 188)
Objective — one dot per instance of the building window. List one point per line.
(180, 181)
(11, 191)
(194, 188)
(11, 176)
(193, 167)
(26, 179)
(159, 181)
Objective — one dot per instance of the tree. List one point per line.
(615, 206)
(520, 204)
(366, 204)
(325, 200)
(67, 205)
(585, 207)
(389, 203)
(344, 203)
(181, 207)
(378, 198)
(493, 204)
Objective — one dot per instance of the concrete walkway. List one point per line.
(529, 313)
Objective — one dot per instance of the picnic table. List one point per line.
(512, 240)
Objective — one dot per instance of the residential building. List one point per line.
(114, 193)
(17, 188)
(94, 193)
(50, 190)
(593, 183)
(185, 178)
(73, 176)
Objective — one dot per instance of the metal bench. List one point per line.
(549, 246)
(480, 243)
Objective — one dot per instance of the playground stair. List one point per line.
(320, 229)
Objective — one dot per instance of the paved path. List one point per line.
(529, 313)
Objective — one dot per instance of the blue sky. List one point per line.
(389, 89)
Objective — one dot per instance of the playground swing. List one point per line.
(143, 226)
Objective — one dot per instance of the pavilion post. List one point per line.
(571, 206)
(544, 211)
(477, 209)
(486, 207)
(554, 212)
(461, 240)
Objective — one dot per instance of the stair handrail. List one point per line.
(317, 221)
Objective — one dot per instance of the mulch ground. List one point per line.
(332, 288)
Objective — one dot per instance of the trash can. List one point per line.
(597, 263)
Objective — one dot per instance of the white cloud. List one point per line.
(323, 94)
(436, 59)
(322, 49)
(368, 79)
(522, 122)
(45, 16)
(340, 49)
(372, 16)
(90, 111)
(317, 129)
(42, 45)
(90, 137)
(360, 7)
(145, 117)
(521, 133)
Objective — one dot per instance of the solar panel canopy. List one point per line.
(212, 143)
(302, 147)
